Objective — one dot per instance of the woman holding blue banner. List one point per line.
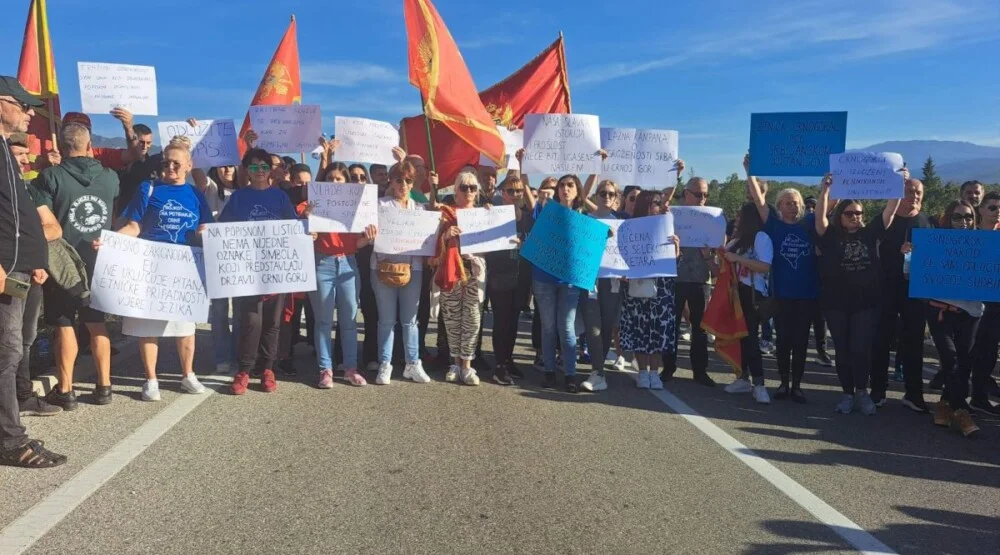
(648, 319)
(166, 210)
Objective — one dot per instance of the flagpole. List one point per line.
(427, 127)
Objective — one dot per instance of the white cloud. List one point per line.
(347, 73)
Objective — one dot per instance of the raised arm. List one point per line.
(592, 180)
(889, 213)
(132, 152)
(756, 195)
(668, 193)
(822, 206)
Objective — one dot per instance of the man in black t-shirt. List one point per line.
(897, 306)
(23, 259)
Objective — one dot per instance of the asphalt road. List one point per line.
(444, 468)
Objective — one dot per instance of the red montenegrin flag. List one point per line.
(37, 74)
(449, 94)
(281, 84)
(724, 318)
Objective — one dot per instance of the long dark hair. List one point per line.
(352, 167)
(746, 230)
(643, 202)
(213, 174)
(945, 221)
(838, 213)
(579, 200)
(339, 166)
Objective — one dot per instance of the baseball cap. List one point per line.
(77, 117)
(810, 200)
(10, 86)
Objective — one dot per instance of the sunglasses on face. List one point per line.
(468, 188)
(359, 178)
(407, 180)
(853, 213)
(697, 194)
(960, 217)
(24, 107)
(172, 164)
(513, 192)
(256, 168)
(607, 194)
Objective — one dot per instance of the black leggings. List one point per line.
(852, 334)
(260, 322)
(753, 363)
(954, 334)
(792, 322)
(506, 313)
(984, 353)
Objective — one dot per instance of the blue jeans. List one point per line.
(222, 339)
(557, 307)
(408, 298)
(336, 288)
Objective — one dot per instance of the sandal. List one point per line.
(32, 455)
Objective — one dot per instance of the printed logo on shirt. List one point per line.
(261, 213)
(175, 219)
(856, 257)
(793, 249)
(88, 214)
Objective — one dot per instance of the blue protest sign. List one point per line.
(963, 265)
(640, 248)
(795, 144)
(566, 244)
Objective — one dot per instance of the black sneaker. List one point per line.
(571, 385)
(937, 382)
(549, 380)
(515, 370)
(879, 399)
(703, 378)
(36, 406)
(985, 406)
(798, 396)
(823, 359)
(915, 404)
(102, 395)
(539, 364)
(501, 376)
(993, 388)
(287, 367)
(65, 401)
(666, 376)
(782, 392)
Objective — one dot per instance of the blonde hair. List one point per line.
(794, 193)
(605, 183)
(466, 177)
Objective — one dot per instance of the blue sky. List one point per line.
(903, 69)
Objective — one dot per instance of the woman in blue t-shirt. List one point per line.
(166, 210)
(258, 316)
(796, 280)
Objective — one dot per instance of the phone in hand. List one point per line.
(16, 288)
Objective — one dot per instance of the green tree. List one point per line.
(931, 178)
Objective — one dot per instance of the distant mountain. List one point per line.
(115, 142)
(956, 161)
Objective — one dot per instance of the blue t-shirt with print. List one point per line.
(793, 268)
(168, 213)
(253, 205)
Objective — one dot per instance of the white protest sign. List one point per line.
(213, 142)
(640, 248)
(342, 207)
(699, 226)
(561, 143)
(243, 259)
(144, 279)
(287, 128)
(513, 140)
(487, 230)
(411, 232)
(867, 175)
(104, 87)
(365, 140)
(643, 157)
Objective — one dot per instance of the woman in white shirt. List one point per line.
(751, 252)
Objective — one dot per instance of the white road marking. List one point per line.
(840, 524)
(21, 534)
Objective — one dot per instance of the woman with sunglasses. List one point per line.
(259, 316)
(394, 301)
(508, 281)
(357, 174)
(648, 324)
(166, 210)
(602, 304)
(849, 289)
(628, 198)
(984, 352)
(953, 326)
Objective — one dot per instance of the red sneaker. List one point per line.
(240, 383)
(268, 383)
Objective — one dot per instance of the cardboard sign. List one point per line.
(567, 245)
(104, 87)
(963, 265)
(795, 144)
(409, 232)
(342, 207)
(867, 175)
(243, 259)
(561, 143)
(365, 140)
(286, 129)
(487, 230)
(643, 157)
(213, 142)
(699, 226)
(640, 248)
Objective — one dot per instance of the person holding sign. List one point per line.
(849, 292)
(397, 288)
(259, 316)
(166, 210)
(984, 352)
(953, 326)
(461, 278)
(648, 320)
(796, 283)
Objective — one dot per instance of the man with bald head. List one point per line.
(694, 267)
(897, 306)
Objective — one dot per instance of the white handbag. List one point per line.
(643, 288)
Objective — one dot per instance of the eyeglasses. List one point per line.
(24, 107)
(172, 164)
(853, 213)
(960, 217)
(256, 168)
(566, 184)
(697, 194)
(607, 194)
(513, 191)
(407, 180)
(468, 188)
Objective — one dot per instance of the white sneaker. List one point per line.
(686, 336)
(739, 385)
(190, 384)
(469, 377)
(760, 395)
(594, 383)
(620, 363)
(643, 381)
(654, 381)
(766, 347)
(384, 374)
(223, 369)
(415, 371)
(452, 375)
(711, 337)
(151, 390)
(372, 366)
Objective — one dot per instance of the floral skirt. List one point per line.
(649, 325)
